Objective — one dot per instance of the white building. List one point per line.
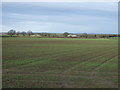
(36, 35)
(72, 36)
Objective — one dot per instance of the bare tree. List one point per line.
(65, 34)
(18, 33)
(11, 32)
(29, 32)
(23, 33)
(85, 35)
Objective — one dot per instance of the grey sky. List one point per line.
(59, 17)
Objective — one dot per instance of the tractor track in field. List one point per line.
(65, 82)
(38, 60)
(104, 62)
(53, 56)
(52, 63)
(56, 75)
(94, 72)
(87, 60)
(14, 68)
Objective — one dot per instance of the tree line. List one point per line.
(60, 35)
(13, 32)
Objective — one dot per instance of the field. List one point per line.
(60, 63)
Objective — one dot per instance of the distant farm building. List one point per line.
(36, 35)
(72, 36)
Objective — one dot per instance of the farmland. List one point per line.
(59, 63)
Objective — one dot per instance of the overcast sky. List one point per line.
(59, 17)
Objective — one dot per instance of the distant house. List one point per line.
(36, 35)
(72, 36)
